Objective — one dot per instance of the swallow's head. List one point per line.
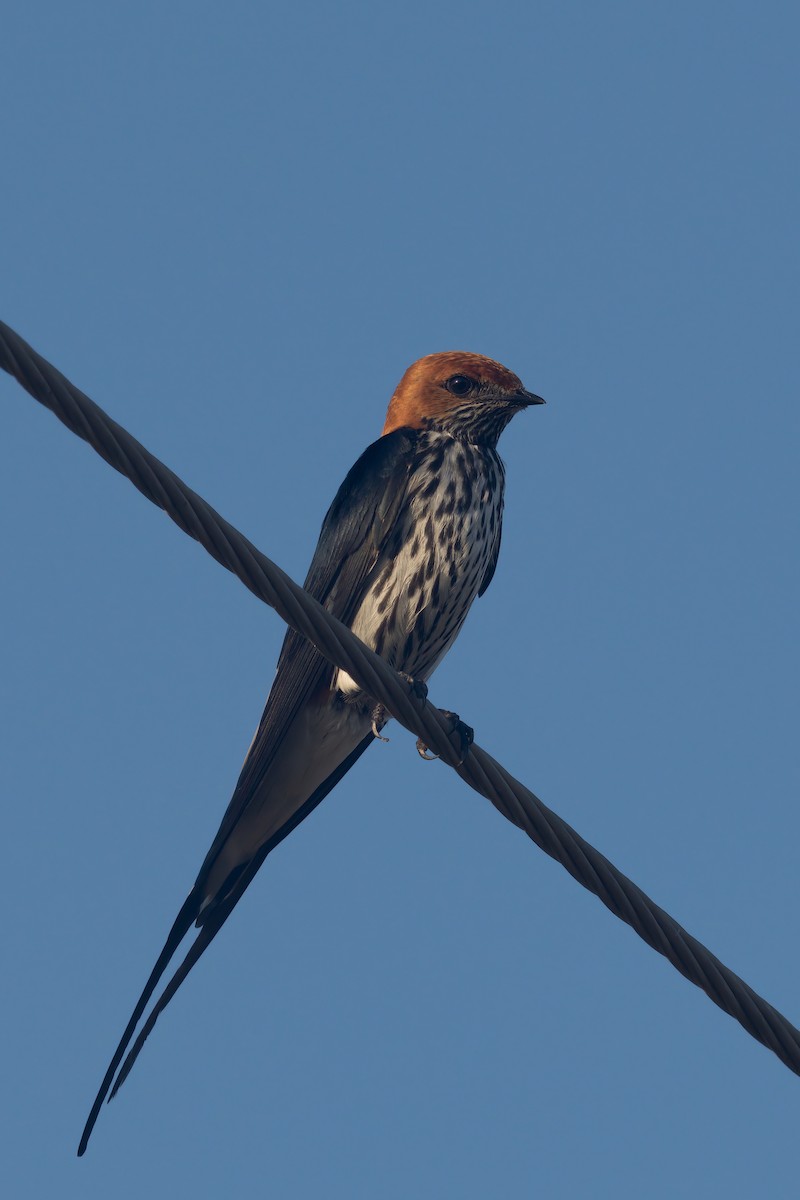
(466, 395)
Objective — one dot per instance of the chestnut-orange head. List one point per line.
(466, 395)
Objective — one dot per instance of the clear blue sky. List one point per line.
(234, 226)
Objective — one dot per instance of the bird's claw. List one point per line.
(379, 719)
(379, 714)
(418, 686)
(466, 736)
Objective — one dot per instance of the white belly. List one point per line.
(432, 569)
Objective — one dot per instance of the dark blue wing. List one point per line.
(353, 533)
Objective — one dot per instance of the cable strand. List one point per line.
(341, 647)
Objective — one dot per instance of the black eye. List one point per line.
(460, 385)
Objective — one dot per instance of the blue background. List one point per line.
(234, 226)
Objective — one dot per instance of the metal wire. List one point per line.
(483, 773)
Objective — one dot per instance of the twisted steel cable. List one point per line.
(341, 647)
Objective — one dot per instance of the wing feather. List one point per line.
(353, 533)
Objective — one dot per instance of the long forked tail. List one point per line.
(208, 931)
(177, 933)
(218, 915)
(214, 917)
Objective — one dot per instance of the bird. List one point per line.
(410, 541)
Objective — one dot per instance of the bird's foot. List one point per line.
(379, 718)
(380, 715)
(466, 736)
(418, 686)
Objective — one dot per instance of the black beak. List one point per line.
(525, 399)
